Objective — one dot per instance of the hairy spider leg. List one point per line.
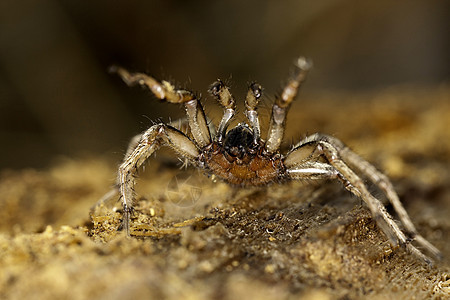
(312, 171)
(251, 102)
(381, 180)
(116, 189)
(282, 103)
(222, 93)
(152, 138)
(150, 141)
(355, 184)
(179, 124)
(165, 91)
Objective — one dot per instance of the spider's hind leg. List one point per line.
(150, 141)
(331, 149)
(111, 195)
(339, 159)
(385, 185)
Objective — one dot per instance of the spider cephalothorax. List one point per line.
(241, 157)
(248, 165)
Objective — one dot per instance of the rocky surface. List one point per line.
(200, 239)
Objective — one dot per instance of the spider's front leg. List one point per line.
(282, 104)
(165, 91)
(150, 141)
(153, 137)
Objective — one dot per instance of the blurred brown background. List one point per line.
(57, 98)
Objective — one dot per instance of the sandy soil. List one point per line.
(199, 239)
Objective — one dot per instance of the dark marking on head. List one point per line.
(239, 141)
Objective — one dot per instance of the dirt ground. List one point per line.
(200, 239)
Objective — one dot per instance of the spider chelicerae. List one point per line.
(239, 156)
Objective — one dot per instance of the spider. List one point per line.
(240, 157)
